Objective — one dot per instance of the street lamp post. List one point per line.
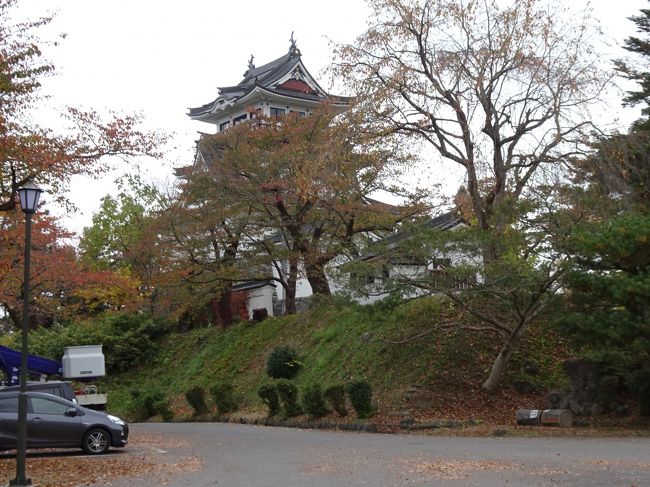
(29, 196)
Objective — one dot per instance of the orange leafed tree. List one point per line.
(29, 152)
(298, 190)
(61, 288)
(501, 90)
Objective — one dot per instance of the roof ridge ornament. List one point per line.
(251, 65)
(293, 49)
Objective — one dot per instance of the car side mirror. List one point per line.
(72, 412)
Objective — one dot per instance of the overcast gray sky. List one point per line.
(160, 57)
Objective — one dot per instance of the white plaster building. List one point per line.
(377, 285)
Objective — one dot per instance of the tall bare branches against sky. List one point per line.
(160, 57)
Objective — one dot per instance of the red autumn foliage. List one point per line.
(29, 152)
(60, 287)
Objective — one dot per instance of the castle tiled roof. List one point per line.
(445, 221)
(268, 78)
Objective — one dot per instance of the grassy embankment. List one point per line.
(437, 375)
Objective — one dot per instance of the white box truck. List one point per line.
(83, 362)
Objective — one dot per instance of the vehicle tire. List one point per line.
(96, 441)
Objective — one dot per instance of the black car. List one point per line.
(54, 422)
(56, 387)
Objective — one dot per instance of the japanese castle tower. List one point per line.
(276, 88)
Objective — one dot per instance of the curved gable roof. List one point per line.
(273, 77)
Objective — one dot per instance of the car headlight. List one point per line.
(115, 420)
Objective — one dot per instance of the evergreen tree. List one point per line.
(641, 47)
(608, 284)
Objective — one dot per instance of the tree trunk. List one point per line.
(225, 300)
(15, 317)
(225, 308)
(153, 301)
(317, 279)
(500, 363)
(292, 278)
(490, 253)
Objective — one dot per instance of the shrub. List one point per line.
(162, 407)
(269, 395)
(127, 339)
(196, 398)
(151, 402)
(282, 363)
(288, 393)
(360, 394)
(313, 401)
(222, 395)
(639, 385)
(144, 405)
(136, 407)
(335, 395)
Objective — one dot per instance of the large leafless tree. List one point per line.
(501, 89)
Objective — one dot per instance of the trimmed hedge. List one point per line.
(335, 395)
(360, 394)
(196, 398)
(223, 396)
(288, 393)
(269, 395)
(639, 385)
(283, 363)
(313, 401)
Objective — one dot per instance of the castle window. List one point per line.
(238, 120)
(276, 112)
(223, 126)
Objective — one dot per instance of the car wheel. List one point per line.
(96, 441)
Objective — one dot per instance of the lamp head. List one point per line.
(29, 196)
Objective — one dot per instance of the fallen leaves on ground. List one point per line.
(148, 440)
(617, 463)
(71, 469)
(453, 469)
(327, 468)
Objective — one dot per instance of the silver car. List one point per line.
(54, 422)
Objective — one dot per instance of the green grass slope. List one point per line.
(418, 359)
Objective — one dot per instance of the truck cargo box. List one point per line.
(83, 361)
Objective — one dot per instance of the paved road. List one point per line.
(239, 455)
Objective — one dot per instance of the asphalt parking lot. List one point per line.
(210, 454)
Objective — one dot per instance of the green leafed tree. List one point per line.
(608, 284)
(123, 236)
(289, 195)
(119, 226)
